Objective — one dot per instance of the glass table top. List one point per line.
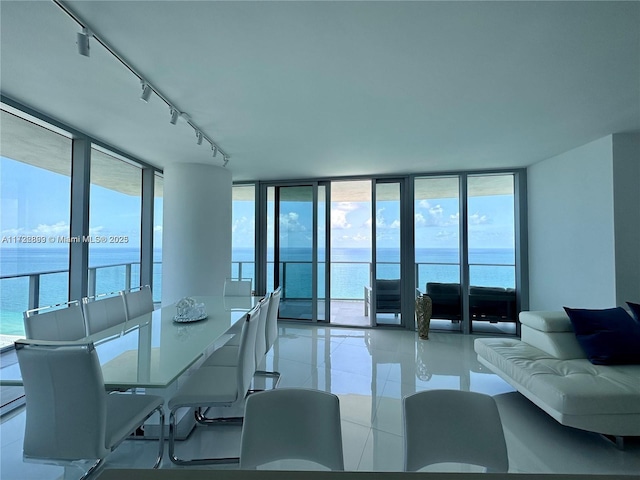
(152, 351)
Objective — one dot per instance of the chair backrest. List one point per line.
(53, 323)
(104, 311)
(272, 317)
(388, 295)
(237, 288)
(453, 426)
(247, 351)
(261, 332)
(65, 398)
(138, 302)
(292, 423)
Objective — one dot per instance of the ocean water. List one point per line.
(351, 269)
(350, 272)
(54, 287)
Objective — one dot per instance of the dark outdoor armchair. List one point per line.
(387, 296)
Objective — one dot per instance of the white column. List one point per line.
(196, 237)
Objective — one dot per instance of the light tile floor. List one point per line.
(370, 371)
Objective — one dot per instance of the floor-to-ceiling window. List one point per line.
(296, 250)
(115, 208)
(243, 233)
(350, 236)
(437, 247)
(158, 203)
(491, 252)
(385, 302)
(452, 237)
(35, 180)
(38, 202)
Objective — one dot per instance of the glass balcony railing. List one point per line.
(25, 291)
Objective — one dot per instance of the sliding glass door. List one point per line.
(465, 246)
(357, 252)
(491, 253)
(386, 286)
(299, 258)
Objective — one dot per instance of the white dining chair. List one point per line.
(57, 322)
(138, 301)
(271, 327)
(228, 353)
(69, 415)
(216, 386)
(237, 287)
(272, 332)
(443, 426)
(104, 311)
(292, 424)
(270, 337)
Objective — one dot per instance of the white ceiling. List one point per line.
(316, 89)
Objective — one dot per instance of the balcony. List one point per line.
(25, 291)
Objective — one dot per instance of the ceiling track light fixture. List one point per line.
(174, 116)
(146, 91)
(82, 40)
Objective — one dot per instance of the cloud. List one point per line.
(43, 229)
(346, 206)
(60, 228)
(339, 213)
(477, 219)
(395, 224)
(243, 225)
(157, 228)
(289, 223)
(436, 211)
(339, 220)
(444, 234)
(432, 217)
(380, 221)
(13, 232)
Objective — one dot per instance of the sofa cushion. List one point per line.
(437, 288)
(572, 387)
(609, 336)
(561, 345)
(635, 309)
(489, 291)
(547, 321)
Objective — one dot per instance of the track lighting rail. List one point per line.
(147, 88)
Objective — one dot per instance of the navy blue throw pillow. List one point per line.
(635, 308)
(608, 337)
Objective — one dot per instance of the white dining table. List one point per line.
(153, 350)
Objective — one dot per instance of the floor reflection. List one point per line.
(371, 371)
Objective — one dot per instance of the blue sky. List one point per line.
(491, 223)
(34, 201)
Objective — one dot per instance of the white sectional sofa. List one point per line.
(549, 367)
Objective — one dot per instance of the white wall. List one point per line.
(626, 177)
(571, 229)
